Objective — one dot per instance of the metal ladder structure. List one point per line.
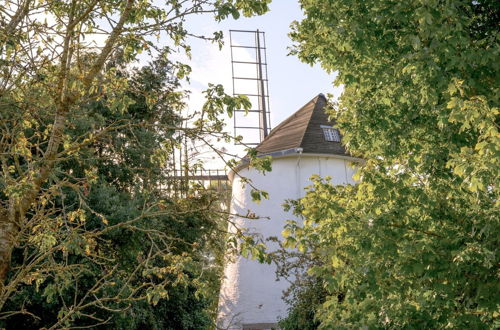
(250, 78)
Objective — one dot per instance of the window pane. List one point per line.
(331, 134)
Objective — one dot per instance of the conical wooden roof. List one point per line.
(303, 130)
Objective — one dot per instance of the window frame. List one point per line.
(330, 134)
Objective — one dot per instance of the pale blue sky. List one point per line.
(291, 82)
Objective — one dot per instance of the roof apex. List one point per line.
(303, 130)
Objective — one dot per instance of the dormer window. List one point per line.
(330, 133)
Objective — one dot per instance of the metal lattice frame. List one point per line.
(261, 87)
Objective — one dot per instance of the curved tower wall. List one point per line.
(250, 295)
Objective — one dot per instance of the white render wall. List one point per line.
(250, 293)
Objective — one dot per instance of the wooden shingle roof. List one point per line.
(303, 130)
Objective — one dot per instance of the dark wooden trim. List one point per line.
(200, 177)
(260, 326)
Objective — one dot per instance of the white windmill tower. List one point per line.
(302, 145)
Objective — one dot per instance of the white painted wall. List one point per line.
(249, 291)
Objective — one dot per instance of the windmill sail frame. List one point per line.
(259, 93)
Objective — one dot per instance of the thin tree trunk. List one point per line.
(8, 230)
(21, 12)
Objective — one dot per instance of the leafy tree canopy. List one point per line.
(415, 243)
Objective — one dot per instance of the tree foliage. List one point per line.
(415, 243)
(91, 231)
(111, 233)
(305, 293)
